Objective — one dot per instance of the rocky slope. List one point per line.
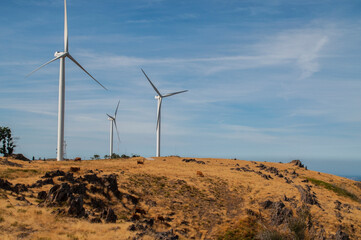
(175, 198)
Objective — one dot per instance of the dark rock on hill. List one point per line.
(21, 157)
(297, 163)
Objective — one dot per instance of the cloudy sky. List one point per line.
(268, 80)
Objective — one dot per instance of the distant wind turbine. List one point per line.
(160, 97)
(113, 121)
(61, 106)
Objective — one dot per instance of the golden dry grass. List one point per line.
(210, 203)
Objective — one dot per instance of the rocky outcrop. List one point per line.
(307, 196)
(193, 160)
(297, 163)
(20, 156)
(6, 185)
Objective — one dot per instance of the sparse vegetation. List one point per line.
(11, 173)
(6, 140)
(246, 229)
(163, 195)
(338, 190)
(95, 157)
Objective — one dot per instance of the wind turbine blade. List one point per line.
(158, 112)
(71, 58)
(116, 110)
(116, 128)
(171, 94)
(65, 28)
(151, 83)
(110, 116)
(46, 64)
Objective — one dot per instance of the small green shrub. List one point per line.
(298, 227)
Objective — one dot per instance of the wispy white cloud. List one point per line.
(301, 48)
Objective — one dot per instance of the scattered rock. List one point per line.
(41, 183)
(337, 205)
(42, 195)
(288, 180)
(168, 235)
(5, 184)
(52, 174)
(74, 169)
(140, 161)
(200, 174)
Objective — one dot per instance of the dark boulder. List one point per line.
(5, 184)
(109, 215)
(42, 195)
(74, 169)
(76, 207)
(55, 173)
(59, 193)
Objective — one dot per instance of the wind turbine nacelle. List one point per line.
(156, 97)
(57, 54)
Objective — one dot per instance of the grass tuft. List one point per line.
(336, 189)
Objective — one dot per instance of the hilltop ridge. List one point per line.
(175, 198)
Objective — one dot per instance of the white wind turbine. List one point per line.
(160, 97)
(113, 121)
(61, 106)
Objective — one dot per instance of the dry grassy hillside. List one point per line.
(173, 198)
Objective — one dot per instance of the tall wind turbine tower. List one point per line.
(113, 121)
(159, 97)
(61, 106)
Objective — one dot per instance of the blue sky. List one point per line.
(267, 80)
